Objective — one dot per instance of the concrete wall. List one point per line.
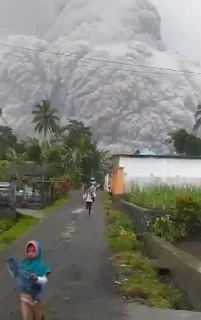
(153, 170)
(185, 269)
(141, 217)
(106, 182)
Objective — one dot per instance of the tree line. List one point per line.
(64, 152)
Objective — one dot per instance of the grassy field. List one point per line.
(10, 231)
(138, 276)
(161, 197)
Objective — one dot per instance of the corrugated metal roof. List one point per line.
(147, 152)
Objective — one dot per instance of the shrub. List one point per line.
(167, 229)
(188, 211)
(122, 240)
(182, 221)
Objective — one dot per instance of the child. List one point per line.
(31, 293)
(88, 197)
(93, 190)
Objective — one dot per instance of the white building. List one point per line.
(149, 169)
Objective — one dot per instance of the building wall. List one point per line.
(148, 171)
(107, 182)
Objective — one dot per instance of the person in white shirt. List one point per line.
(93, 190)
(88, 198)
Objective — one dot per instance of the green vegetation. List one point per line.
(181, 206)
(56, 204)
(5, 225)
(166, 228)
(11, 230)
(137, 275)
(68, 156)
(45, 118)
(161, 197)
(67, 152)
(184, 143)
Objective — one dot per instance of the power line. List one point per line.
(99, 59)
(181, 73)
(168, 71)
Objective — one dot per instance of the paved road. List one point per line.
(81, 286)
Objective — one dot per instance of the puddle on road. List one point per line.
(78, 210)
(67, 233)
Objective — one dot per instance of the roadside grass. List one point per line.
(56, 204)
(10, 231)
(138, 276)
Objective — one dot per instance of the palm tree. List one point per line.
(197, 119)
(46, 121)
(45, 118)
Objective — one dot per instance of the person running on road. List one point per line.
(93, 190)
(89, 199)
(30, 277)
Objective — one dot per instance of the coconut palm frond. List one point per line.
(45, 118)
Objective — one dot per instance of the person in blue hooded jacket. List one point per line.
(30, 277)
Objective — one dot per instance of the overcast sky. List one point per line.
(181, 25)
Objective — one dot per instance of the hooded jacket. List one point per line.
(24, 281)
(23, 271)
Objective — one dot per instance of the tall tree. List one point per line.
(7, 140)
(45, 118)
(185, 143)
(178, 140)
(73, 153)
(33, 150)
(10, 144)
(74, 131)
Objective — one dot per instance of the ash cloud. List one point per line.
(127, 107)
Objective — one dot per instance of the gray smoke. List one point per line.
(127, 107)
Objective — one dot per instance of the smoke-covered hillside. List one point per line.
(126, 106)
